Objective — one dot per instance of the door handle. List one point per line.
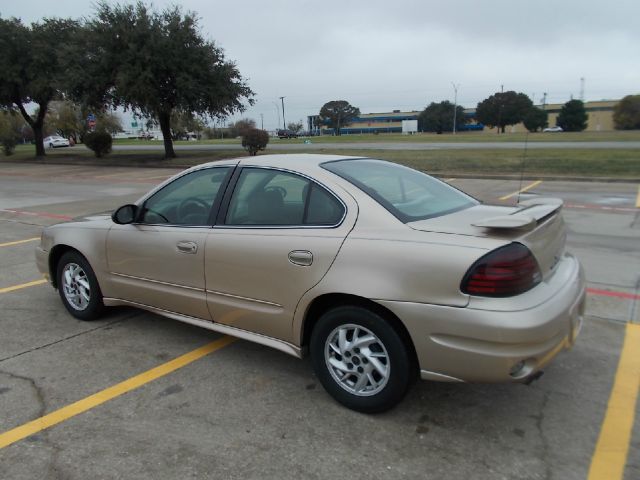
(303, 258)
(187, 247)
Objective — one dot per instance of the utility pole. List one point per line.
(455, 104)
(262, 121)
(284, 122)
(275, 104)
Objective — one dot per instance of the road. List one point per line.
(246, 411)
(274, 144)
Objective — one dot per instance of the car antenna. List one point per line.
(524, 158)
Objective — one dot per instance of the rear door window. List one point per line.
(268, 197)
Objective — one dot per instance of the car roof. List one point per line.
(301, 162)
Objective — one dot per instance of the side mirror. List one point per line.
(125, 214)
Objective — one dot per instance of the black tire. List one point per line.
(387, 393)
(94, 307)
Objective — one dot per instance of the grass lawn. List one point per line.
(619, 163)
(487, 136)
(622, 163)
(620, 136)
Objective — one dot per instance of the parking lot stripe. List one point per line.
(609, 293)
(22, 285)
(528, 187)
(37, 214)
(611, 451)
(81, 406)
(18, 242)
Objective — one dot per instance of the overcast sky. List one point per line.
(386, 55)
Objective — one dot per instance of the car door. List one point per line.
(159, 259)
(275, 238)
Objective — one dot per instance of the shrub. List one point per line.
(8, 144)
(9, 132)
(254, 140)
(99, 142)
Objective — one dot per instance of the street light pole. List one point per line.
(284, 122)
(455, 105)
(262, 121)
(275, 104)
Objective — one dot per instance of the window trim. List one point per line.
(222, 212)
(215, 206)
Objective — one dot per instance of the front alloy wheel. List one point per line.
(75, 286)
(361, 359)
(78, 287)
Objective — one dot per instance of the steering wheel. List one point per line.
(278, 189)
(186, 204)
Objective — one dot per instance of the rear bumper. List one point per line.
(485, 342)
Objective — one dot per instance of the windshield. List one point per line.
(408, 194)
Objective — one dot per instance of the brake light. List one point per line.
(504, 272)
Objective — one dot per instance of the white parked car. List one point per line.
(553, 129)
(55, 141)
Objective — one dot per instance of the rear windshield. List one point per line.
(408, 194)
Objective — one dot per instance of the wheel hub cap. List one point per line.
(357, 360)
(75, 286)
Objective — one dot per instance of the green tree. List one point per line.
(239, 128)
(572, 116)
(295, 127)
(535, 119)
(65, 118)
(438, 117)
(338, 113)
(33, 62)
(183, 123)
(254, 140)
(502, 109)
(626, 113)
(155, 63)
(108, 122)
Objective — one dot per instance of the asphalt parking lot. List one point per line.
(246, 411)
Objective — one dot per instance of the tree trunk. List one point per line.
(38, 137)
(165, 126)
(36, 125)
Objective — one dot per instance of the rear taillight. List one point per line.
(504, 272)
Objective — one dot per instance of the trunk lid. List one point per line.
(536, 223)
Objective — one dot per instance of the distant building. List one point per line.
(387, 122)
(600, 118)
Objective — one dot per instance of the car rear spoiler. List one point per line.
(533, 212)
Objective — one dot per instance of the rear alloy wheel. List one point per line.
(360, 359)
(78, 287)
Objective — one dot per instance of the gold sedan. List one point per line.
(382, 273)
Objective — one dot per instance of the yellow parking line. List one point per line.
(22, 285)
(611, 451)
(18, 242)
(449, 180)
(81, 406)
(638, 198)
(528, 187)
